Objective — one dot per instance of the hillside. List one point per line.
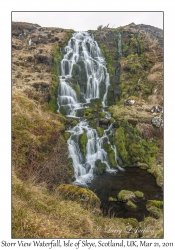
(40, 163)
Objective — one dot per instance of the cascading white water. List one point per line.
(120, 45)
(83, 49)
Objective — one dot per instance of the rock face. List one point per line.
(134, 56)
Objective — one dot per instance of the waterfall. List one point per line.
(119, 45)
(83, 67)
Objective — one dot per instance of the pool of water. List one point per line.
(133, 179)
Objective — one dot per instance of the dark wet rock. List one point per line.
(104, 122)
(156, 109)
(100, 167)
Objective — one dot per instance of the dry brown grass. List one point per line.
(147, 131)
(153, 77)
(38, 148)
(153, 228)
(156, 99)
(157, 67)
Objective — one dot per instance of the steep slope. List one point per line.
(134, 55)
(38, 146)
(39, 150)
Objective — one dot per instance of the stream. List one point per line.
(83, 80)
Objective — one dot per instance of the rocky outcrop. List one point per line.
(134, 57)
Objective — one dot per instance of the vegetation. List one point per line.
(83, 196)
(38, 213)
(111, 155)
(38, 147)
(125, 195)
(99, 27)
(55, 72)
(155, 207)
(139, 194)
(41, 201)
(100, 131)
(132, 149)
(83, 142)
(100, 167)
(131, 204)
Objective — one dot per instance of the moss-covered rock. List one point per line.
(100, 167)
(74, 122)
(83, 142)
(112, 199)
(71, 122)
(132, 149)
(121, 145)
(139, 194)
(155, 207)
(111, 155)
(88, 115)
(100, 131)
(67, 135)
(131, 205)
(82, 196)
(125, 195)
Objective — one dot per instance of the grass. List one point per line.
(39, 213)
(38, 146)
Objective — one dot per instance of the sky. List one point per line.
(83, 21)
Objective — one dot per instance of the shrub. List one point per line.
(99, 27)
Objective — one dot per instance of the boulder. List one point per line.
(139, 194)
(157, 121)
(104, 121)
(83, 196)
(125, 195)
(129, 102)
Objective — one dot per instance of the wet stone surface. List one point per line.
(133, 179)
